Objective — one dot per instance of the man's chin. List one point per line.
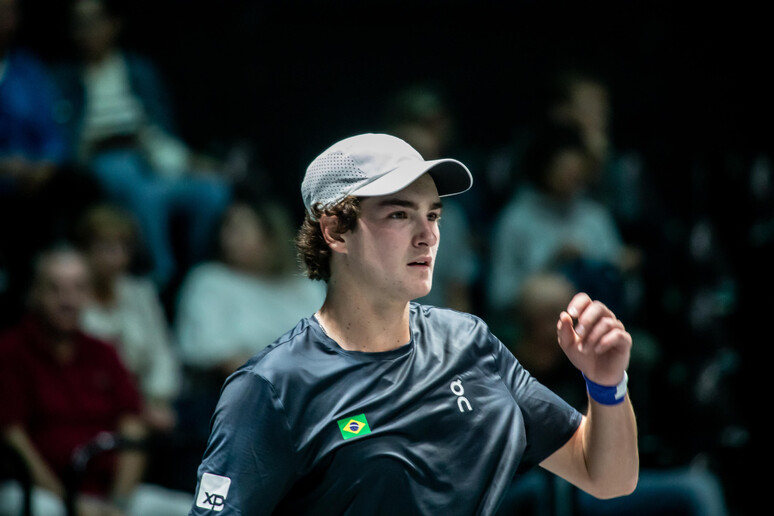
(422, 292)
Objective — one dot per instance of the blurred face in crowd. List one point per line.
(542, 299)
(109, 255)
(61, 290)
(244, 243)
(94, 30)
(567, 174)
(589, 106)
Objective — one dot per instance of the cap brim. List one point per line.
(450, 176)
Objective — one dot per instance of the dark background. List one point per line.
(691, 89)
(687, 78)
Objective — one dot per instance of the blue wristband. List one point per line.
(607, 395)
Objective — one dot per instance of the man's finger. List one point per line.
(578, 304)
(564, 331)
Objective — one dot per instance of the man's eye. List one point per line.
(435, 217)
(398, 215)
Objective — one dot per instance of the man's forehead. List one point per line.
(54, 267)
(421, 192)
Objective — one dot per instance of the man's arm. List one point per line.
(601, 457)
(250, 462)
(130, 466)
(40, 472)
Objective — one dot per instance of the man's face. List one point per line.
(567, 173)
(93, 30)
(61, 291)
(243, 240)
(392, 251)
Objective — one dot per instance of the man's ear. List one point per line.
(329, 225)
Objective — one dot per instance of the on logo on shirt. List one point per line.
(458, 390)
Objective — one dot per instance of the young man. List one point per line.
(375, 405)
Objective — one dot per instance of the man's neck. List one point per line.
(357, 323)
(62, 345)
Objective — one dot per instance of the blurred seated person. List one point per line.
(121, 126)
(31, 143)
(684, 491)
(551, 224)
(60, 388)
(228, 309)
(125, 310)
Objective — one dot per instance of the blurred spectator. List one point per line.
(60, 389)
(550, 224)
(31, 145)
(119, 119)
(619, 179)
(126, 311)
(687, 491)
(34, 186)
(419, 116)
(231, 308)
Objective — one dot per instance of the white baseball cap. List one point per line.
(370, 164)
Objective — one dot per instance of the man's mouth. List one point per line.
(422, 262)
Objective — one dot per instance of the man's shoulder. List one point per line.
(284, 356)
(445, 325)
(443, 317)
(22, 338)
(94, 343)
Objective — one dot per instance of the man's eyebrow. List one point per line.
(405, 203)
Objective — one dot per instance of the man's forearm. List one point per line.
(610, 448)
(131, 462)
(40, 472)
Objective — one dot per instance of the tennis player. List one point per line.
(377, 405)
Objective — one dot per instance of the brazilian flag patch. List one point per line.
(354, 426)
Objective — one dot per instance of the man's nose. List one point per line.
(427, 233)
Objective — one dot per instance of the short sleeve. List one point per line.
(250, 462)
(549, 421)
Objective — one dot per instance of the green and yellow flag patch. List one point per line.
(354, 426)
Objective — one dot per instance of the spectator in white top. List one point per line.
(230, 308)
(551, 224)
(126, 310)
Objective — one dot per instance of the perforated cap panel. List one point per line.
(330, 178)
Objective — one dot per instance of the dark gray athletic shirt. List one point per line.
(438, 426)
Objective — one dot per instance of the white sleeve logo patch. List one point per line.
(213, 491)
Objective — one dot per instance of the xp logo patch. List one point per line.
(213, 490)
(354, 426)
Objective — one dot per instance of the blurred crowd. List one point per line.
(136, 272)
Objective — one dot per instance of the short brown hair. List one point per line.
(312, 249)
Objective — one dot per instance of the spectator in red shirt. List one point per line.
(60, 388)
